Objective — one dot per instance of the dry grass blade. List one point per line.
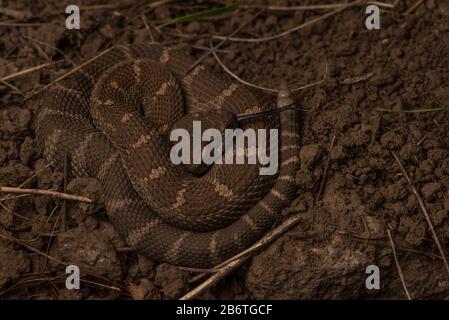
(51, 193)
(398, 266)
(213, 49)
(302, 26)
(314, 7)
(65, 75)
(413, 7)
(326, 169)
(29, 70)
(18, 24)
(249, 84)
(270, 90)
(412, 110)
(14, 88)
(203, 14)
(425, 213)
(51, 47)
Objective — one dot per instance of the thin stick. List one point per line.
(99, 7)
(326, 168)
(51, 47)
(145, 23)
(398, 266)
(29, 70)
(302, 26)
(29, 179)
(18, 24)
(224, 39)
(326, 70)
(65, 75)
(64, 202)
(424, 211)
(227, 266)
(51, 193)
(223, 66)
(314, 7)
(413, 7)
(17, 14)
(249, 84)
(213, 279)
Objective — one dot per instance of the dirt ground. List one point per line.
(352, 124)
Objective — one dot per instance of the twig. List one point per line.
(249, 84)
(314, 7)
(302, 26)
(326, 168)
(18, 24)
(398, 266)
(64, 202)
(226, 69)
(213, 279)
(227, 266)
(99, 7)
(46, 193)
(14, 88)
(14, 213)
(413, 7)
(145, 23)
(15, 13)
(29, 70)
(51, 47)
(358, 78)
(29, 179)
(151, 6)
(65, 75)
(212, 50)
(424, 211)
(50, 241)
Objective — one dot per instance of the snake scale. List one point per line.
(111, 118)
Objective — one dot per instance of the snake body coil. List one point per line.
(111, 118)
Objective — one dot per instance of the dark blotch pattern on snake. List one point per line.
(111, 118)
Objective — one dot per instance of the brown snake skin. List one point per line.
(111, 118)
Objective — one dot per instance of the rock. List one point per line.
(414, 230)
(439, 216)
(12, 264)
(8, 151)
(309, 155)
(292, 269)
(391, 140)
(89, 250)
(143, 289)
(429, 189)
(143, 267)
(89, 188)
(27, 150)
(337, 152)
(443, 6)
(107, 31)
(442, 95)
(14, 173)
(193, 27)
(173, 281)
(430, 4)
(14, 120)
